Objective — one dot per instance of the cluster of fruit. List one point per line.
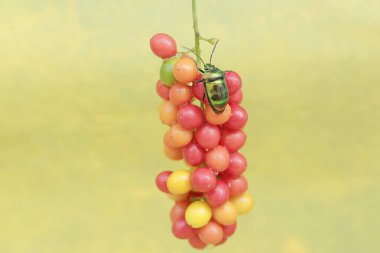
(212, 192)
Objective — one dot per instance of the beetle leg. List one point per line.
(200, 70)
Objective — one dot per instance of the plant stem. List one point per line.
(197, 48)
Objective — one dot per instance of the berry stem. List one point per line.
(197, 48)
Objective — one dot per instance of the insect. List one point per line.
(214, 81)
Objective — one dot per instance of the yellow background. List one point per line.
(80, 138)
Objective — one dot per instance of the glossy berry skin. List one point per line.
(202, 180)
(190, 116)
(236, 98)
(166, 71)
(237, 186)
(193, 154)
(212, 233)
(217, 118)
(233, 140)
(178, 210)
(198, 214)
(218, 158)
(229, 229)
(243, 203)
(208, 136)
(233, 81)
(196, 242)
(238, 119)
(185, 70)
(162, 90)
(199, 90)
(225, 214)
(161, 180)
(181, 229)
(163, 45)
(237, 166)
(179, 182)
(180, 94)
(219, 195)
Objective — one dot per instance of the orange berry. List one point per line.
(168, 113)
(173, 154)
(225, 214)
(180, 94)
(179, 136)
(217, 119)
(185, 70)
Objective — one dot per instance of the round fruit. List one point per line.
(166, 71)
(161, 180)
(233, 81)
(238, 118)
(229, 229)
(217, 119)
(178, 210)
(233, 140)
(163, 45)
(243, 203)
(185, 70)
(190, 116)
(208, 136)
(237, 186)
(168, 141)
(196, 242)
(202, 180)
(168, 113)
(218, 158)
(173, 154)
(237, 166)
(180, 94)
(193, 154)
(219, 195)
(236, 98)
(198, 214)
(199, 90)
(212, 233)
(225, 214)
(162, 90)
(179, 182)
(181, 230)
(180, 137)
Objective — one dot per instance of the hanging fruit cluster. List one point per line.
(213, 191)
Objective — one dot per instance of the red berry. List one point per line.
(219, 195)
(237, 186)
(161, 180)
(238, 118)
(208, 136)
(237, 166)
(229, 230)
(202, 180)
(178, 210)
(233, 81)
(181, 229)
(236, 98)
(163, 45)
(193, 153)
(196, 242)
(199, 90)
(190, 116)
(233, 140)
(162, 90)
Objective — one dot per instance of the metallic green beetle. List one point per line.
(215, 85)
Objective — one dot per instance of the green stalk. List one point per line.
(197, 35)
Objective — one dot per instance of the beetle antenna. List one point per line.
(212, 53)
(195, 54)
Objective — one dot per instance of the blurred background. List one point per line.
(81, 140)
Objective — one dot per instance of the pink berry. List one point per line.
(190, 116)
(233, 81)
(238, 118)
